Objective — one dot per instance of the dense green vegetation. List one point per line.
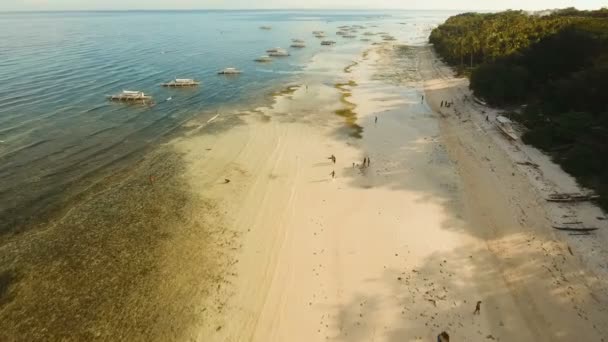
(551, 70)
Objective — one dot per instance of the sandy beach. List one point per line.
(403, 249)
(258, 242)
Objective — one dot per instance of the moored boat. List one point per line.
(230, 71)
(181, 82)
(130, 95)
(278, 52)
(263, 59)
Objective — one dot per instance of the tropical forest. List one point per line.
(548, 71)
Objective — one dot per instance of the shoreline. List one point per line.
(234, 228)
(506, 201)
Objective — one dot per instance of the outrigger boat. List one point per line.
(298, 45)
(328, 42)
(130, 95)
(265, 27)
(278, 52)
(181, 82)
(230, 71)
(504, 125)
(263, 59)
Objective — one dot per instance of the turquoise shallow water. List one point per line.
(56, 126)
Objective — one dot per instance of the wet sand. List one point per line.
(237, 231)
(137, 257)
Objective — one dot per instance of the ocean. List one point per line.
(58, 130)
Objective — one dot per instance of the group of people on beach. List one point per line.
(366, 163)
(447, 104)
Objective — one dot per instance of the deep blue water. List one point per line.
(56, 68)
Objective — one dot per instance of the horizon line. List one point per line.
(264, 9)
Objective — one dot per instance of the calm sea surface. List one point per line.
(56, 125)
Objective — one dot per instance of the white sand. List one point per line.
(399, 251)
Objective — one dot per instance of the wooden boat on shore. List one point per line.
(504, 125)
(181, 82)
(572, 198)
(130, 95)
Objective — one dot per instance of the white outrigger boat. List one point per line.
(282, 53)
(230, 71)
(295, 40)
(298, 45)
(505, 126)
(181, 82)
(265, 27)
(328, 42)
(130, 95)
(263, 59)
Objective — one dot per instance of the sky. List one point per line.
(46, 5)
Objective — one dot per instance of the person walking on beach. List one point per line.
(368, 161)
(422, 99)
(442, 104)
(332, 158)
(333, 174)
(477, 308)
(376, 120)
(443, 337)
(364, 161)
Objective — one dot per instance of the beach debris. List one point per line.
(571, 197)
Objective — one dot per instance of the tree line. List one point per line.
(550, 71)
